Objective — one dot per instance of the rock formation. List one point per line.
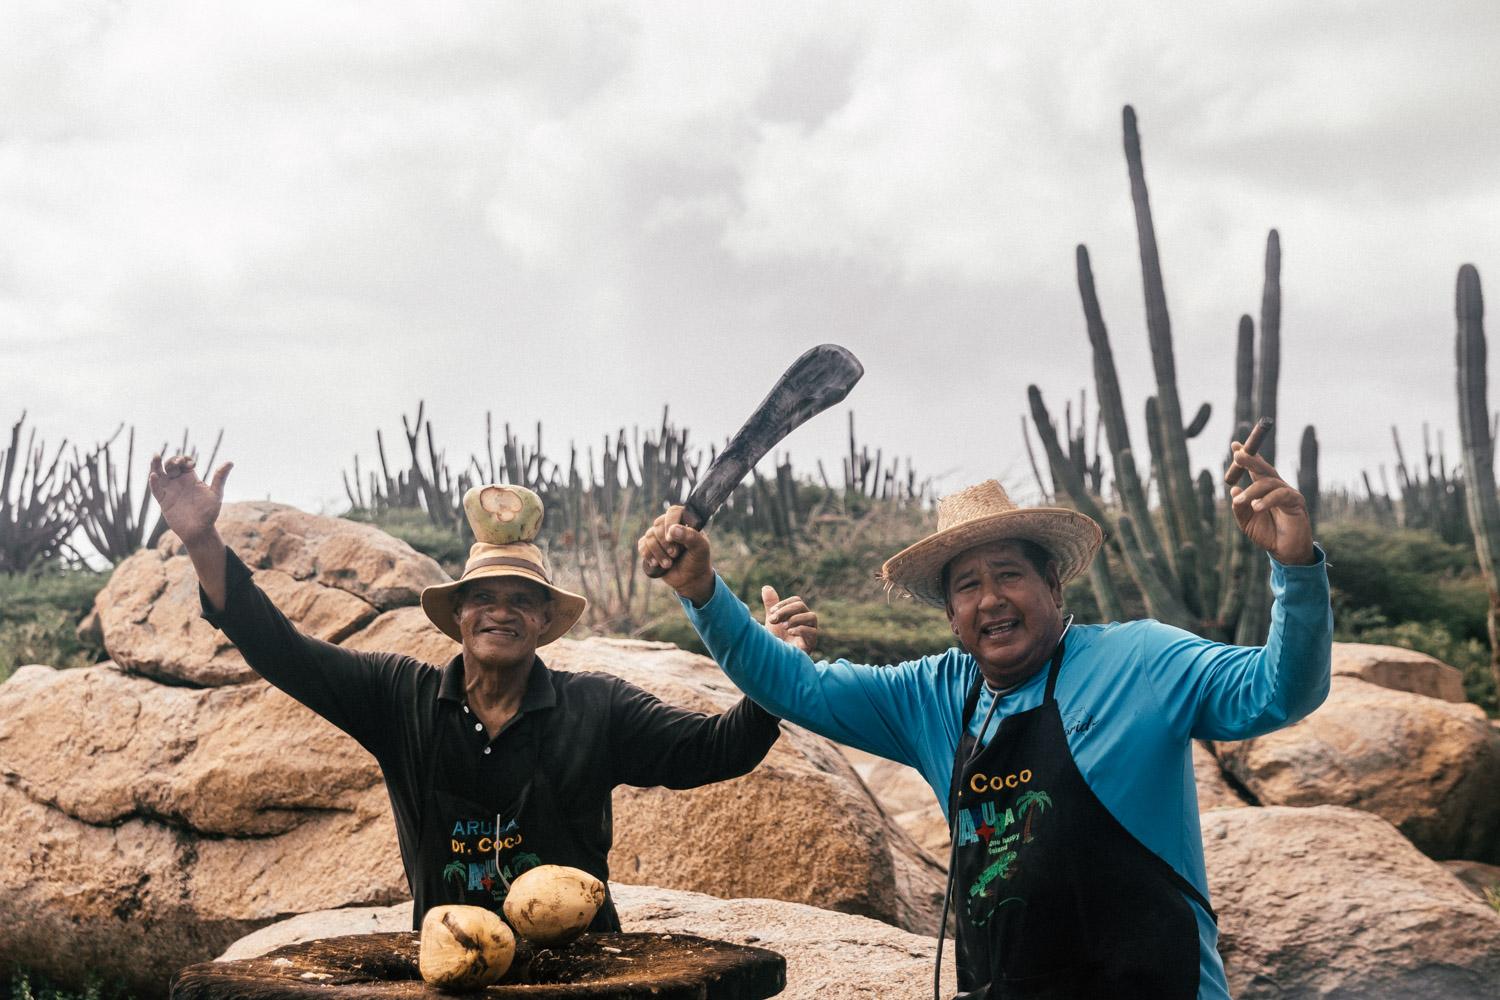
(1398, 669)
(1427, 765)
(1334, 902)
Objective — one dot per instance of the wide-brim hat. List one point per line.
(981, 514)
(518, 559)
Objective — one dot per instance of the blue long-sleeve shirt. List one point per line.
(1132, 698)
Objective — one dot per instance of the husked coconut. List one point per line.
(551, 905)
(464, 948)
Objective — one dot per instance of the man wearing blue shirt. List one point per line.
(1061, 753)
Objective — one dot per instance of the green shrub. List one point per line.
(39, 616)
(1407, 576)
(862, 632)
(28, 985)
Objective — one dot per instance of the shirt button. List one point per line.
(478, 726)
(466, 709)
(486, 749)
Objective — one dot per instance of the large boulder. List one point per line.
(1334, 902)
(1427, 765)
(329, 575)
(146, 825)
(829, 956)
(907, 798)
(1398, 669)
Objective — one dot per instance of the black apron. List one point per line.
(482, 844)
(1054, 898)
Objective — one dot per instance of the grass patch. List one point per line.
(39, 617)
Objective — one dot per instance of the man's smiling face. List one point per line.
(1007, 614)
(501, 619)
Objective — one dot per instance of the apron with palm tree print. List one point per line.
(1053, 896)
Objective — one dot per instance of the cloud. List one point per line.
(297, 221)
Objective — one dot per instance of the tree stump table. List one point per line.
(595, 967)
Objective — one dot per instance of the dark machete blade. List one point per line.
(815, 381)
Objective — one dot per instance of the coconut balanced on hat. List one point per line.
(505, 520)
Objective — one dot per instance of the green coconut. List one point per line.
(500, 513)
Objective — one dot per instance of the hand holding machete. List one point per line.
(819, 378)
(674, 549)
(691, 574)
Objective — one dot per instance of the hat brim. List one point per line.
(437, 603)
(1069, 537)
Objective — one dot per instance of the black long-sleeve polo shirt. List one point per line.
(575, 737)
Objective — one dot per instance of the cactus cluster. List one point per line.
(1193, 567)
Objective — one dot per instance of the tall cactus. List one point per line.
(1254, 618)
(1174, 459)
(1478, 445)
(1186, 573)
(1307, 475)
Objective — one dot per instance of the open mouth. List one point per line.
(1000, 629)
(504, 631)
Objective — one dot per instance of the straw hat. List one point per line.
(512, 513)
(980, 514)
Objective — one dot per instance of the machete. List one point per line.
(814, 382)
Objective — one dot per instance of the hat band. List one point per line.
(508, 561)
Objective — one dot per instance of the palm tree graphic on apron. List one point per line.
(1028, 804)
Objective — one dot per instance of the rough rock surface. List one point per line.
(329, 575)
(1428, 766)
(1398, 669)
(1213, 791)
(1477, 875)
(1333, 902)
(829, 956)
(907, 798)
(146, 825)
(320, 924)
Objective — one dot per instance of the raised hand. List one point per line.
(790, 620)
(685, 554)
(188, 504)
(1270, 512)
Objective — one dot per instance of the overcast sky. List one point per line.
(293, 221)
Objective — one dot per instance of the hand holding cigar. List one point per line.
(1251, 446)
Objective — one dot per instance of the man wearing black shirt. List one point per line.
(494, 763)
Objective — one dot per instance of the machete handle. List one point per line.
(692, 520)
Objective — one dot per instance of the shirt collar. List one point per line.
(539, 690)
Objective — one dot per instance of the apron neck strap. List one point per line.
(1056, 665)
(971, 702)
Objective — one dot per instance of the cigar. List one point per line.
(1252, 445)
